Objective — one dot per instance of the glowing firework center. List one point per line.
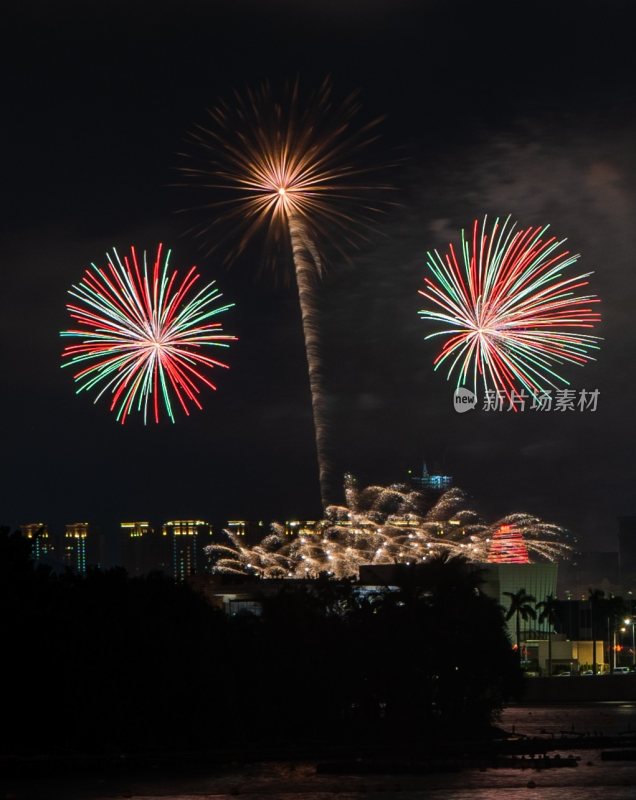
(143, 335)
(509, 318)
(289, 171)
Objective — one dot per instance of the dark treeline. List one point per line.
(108, 663)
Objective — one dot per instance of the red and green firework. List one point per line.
(144, 335)
(510, 317)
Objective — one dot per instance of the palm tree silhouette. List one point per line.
(550, 614)
(614, 609)
(520, 606)
(596, 596)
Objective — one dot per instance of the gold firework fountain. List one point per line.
(287, 165)
(387, 525)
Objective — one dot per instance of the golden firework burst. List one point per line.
(268, 159)
(286, 165)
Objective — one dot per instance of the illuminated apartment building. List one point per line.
(38, 534)
(75, 538)
(186, 537)
(250, 531)
(296, 527)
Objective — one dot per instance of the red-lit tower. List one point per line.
(508, 547)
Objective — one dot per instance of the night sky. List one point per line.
(521, 108)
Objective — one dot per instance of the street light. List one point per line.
(632, 622)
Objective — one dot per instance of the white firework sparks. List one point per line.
(384, 525)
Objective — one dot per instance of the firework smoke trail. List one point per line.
(286, 165)
(143, 335)
(510, 317)
(384, 525)
(305, 280)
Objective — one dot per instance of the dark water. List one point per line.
(592, 779)
(609, 719)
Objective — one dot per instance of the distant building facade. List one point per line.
(538, 580)
(41, 543)
(428, 482)
(75, 545)
(568, 655)
(186, 537)
(296, 527)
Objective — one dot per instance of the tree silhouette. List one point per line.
(521, 608)
(549, 613)
(596, 596)
(614, 608)
(443, 575)
(144, 664)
